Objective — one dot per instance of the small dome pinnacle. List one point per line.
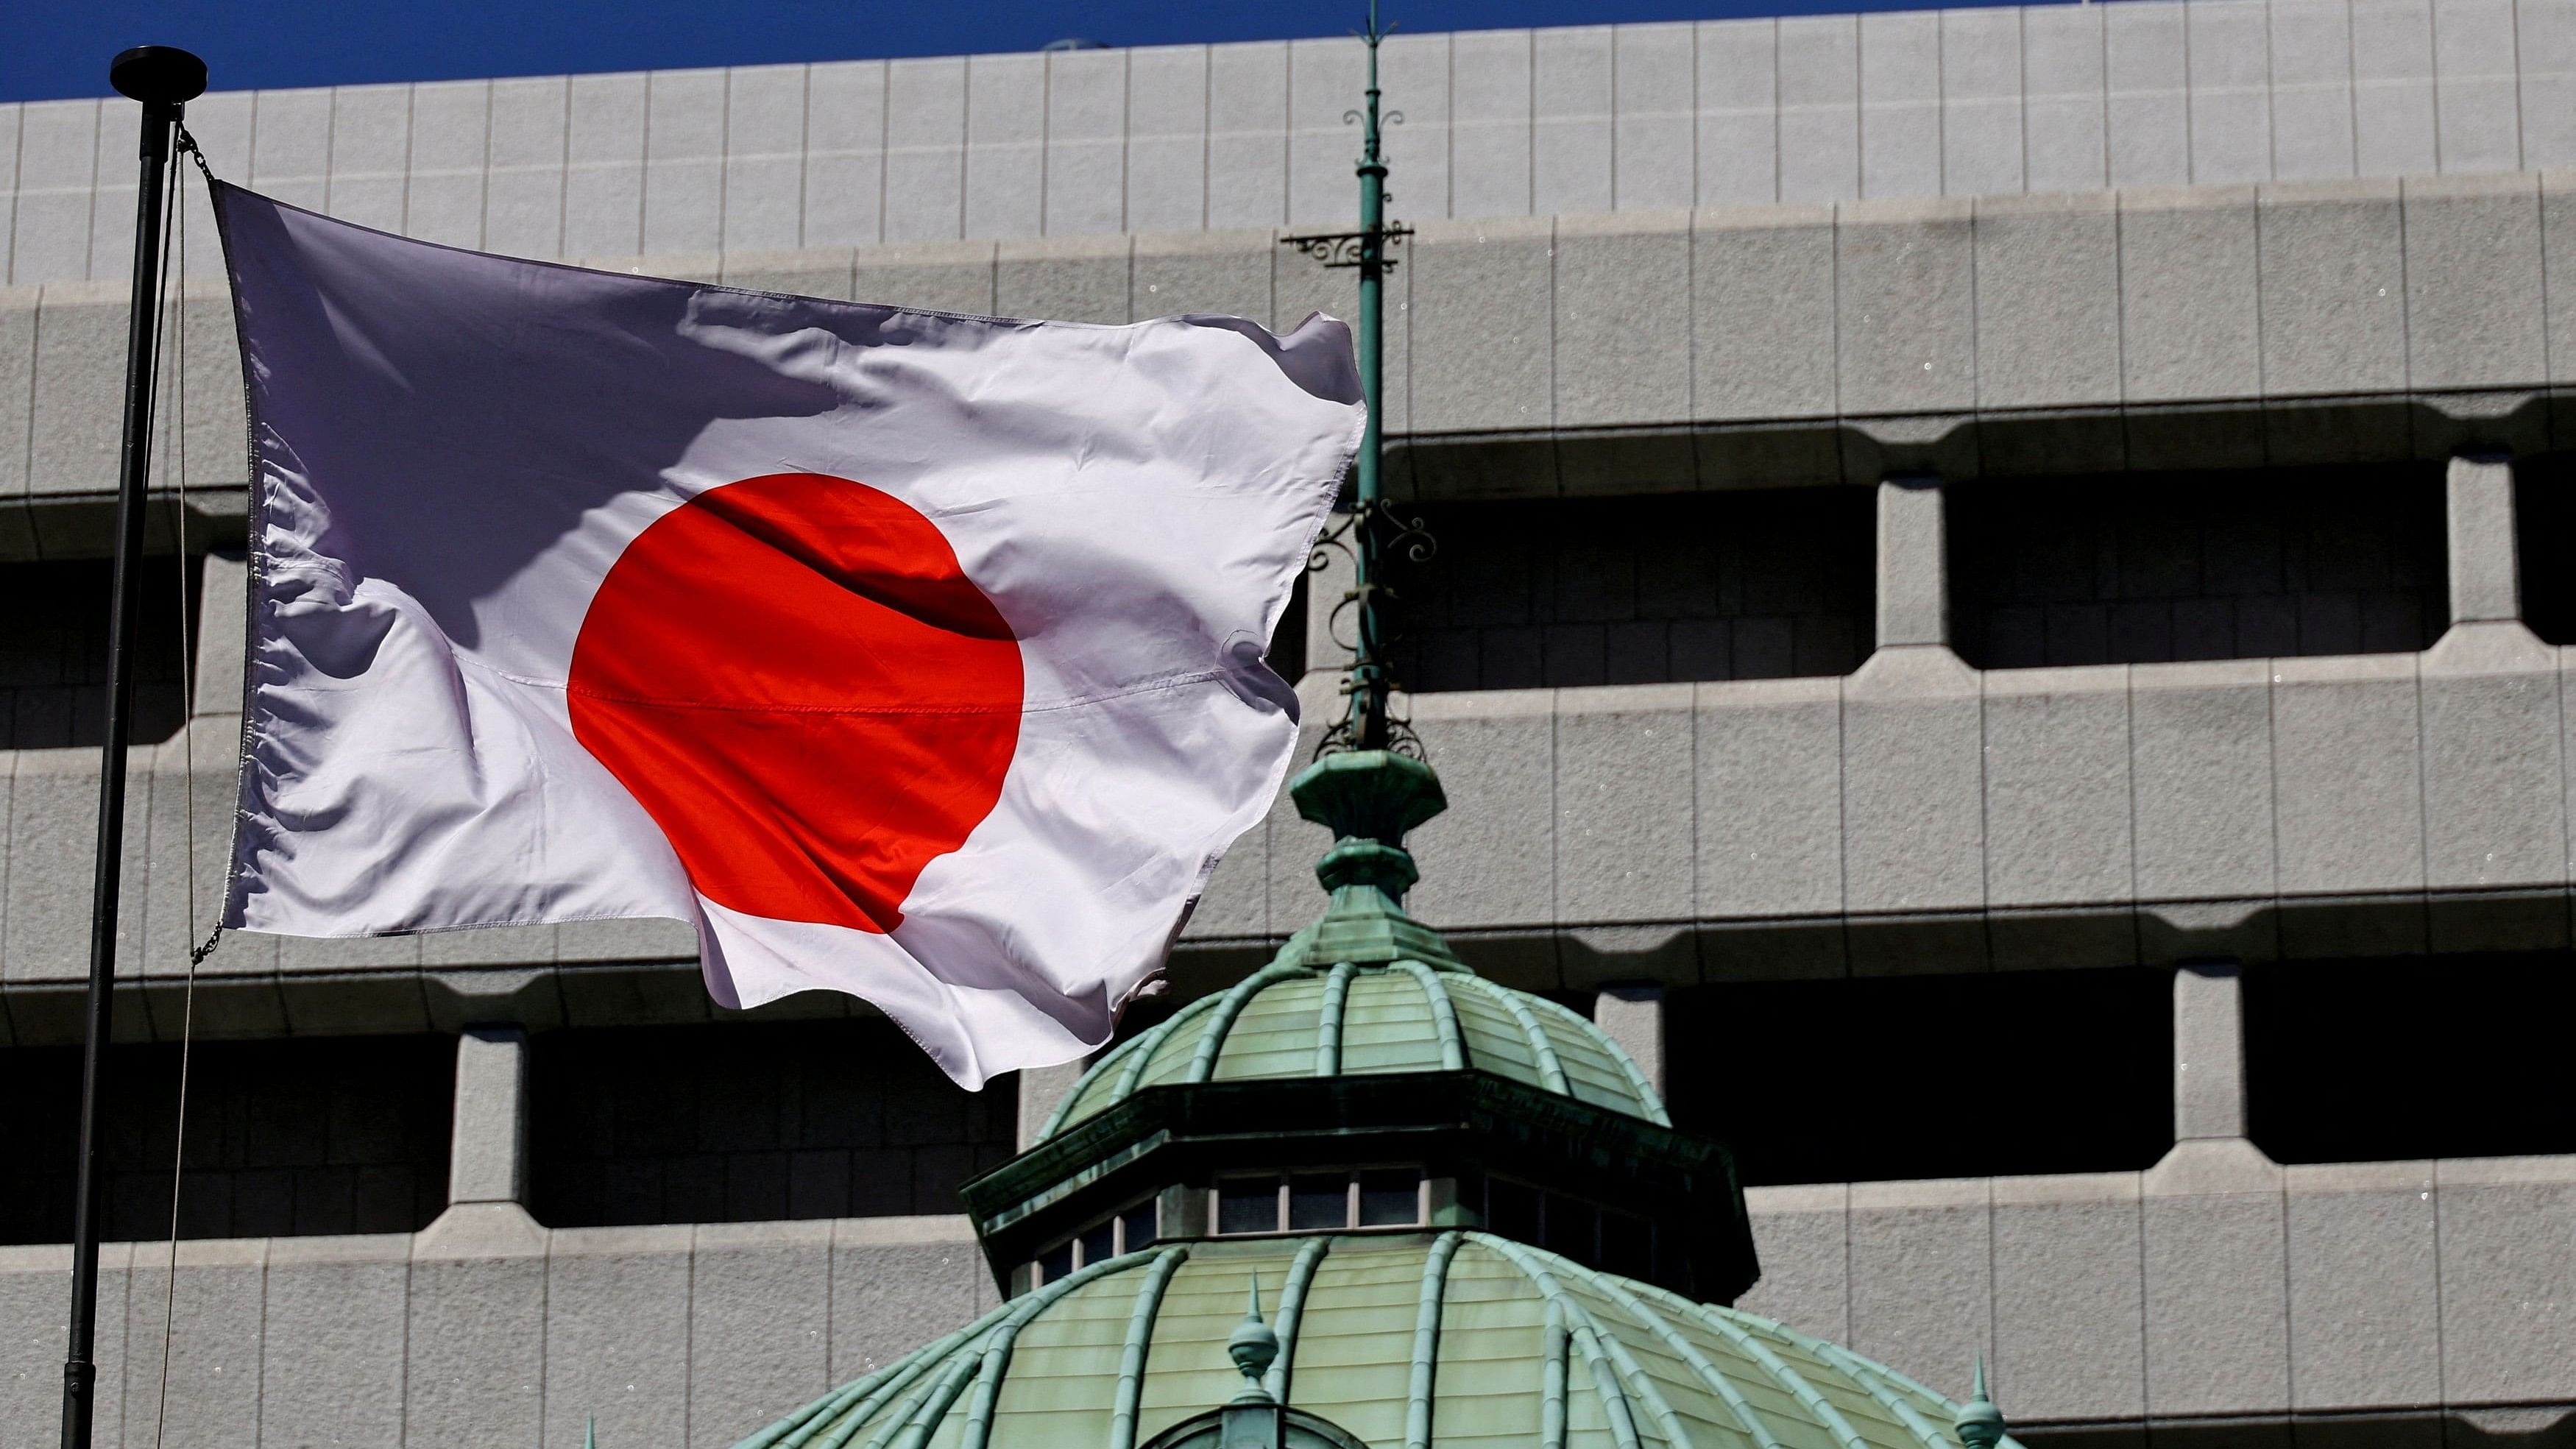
(1252, 1347)
(1981, 1424)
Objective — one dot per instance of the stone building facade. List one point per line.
(2004, 566)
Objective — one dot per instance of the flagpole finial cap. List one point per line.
(158, 75)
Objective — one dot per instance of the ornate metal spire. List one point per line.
(1371, 532)
(1253, 1347)
(1981, 1424)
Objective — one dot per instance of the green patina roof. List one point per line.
(1295, 1018)
(1458, 1338)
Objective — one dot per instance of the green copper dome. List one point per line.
(1450, 1338)
(1297, 1019)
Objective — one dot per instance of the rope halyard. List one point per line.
(175, 226)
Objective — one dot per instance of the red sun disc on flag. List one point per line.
(798, 681)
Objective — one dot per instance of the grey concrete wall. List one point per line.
(1652, 351)
(2168, 1296)
(465, 1337)
(1810, 109)
(2096, 1298)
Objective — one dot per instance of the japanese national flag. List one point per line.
(910, 655)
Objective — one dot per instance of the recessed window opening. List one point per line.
(1131, 1229)
(2145, 568)
(1589, 1233)
(1328, 1200)
(1568, 592)
(2544, 492)
(53, 655)
(286, 1137)
(2382, 1060)
(1844, 1081)
(735, 1122)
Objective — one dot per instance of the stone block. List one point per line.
(2333, 288)
(2348, 786)
(2064, 114)
(1247, 120)
(1809, 949)
(2508, 1270)
(1922, 1274)
(2476, 112)
(1623, 351)
(1905, 286)
(1490, 119)
(2070, 1298)
(2472, 270)
(1763, 313)
(2052, 939)
(1067, 279)
(58, 164)
(925, 150)
(1323, 78)
(1624, 831)
(684, 168)
(474, 1334)
(331, 1369)
(1414, 69)
(2231, 90)
(53, 833)
(1913, 806)
(844, 154)
(1803, 1235)
(370, 141)
(760, 1312)
(34, 1282)
(2201, 765)
(2047, 301)
(603, 199)
(2217, 1320)
(489, 1162)
(1900, 104)
(216, 1319)
(816, 273)
(955, 277)
(1767, 775)
(2365, 1307)
(898, 1283)
(1652, 161)
(2495, 811)
(291, 136)
(2057, 748)
(2392, 70)
(17, 389)
(617, 1334)
(1167, 140)
(2209, 1051)
(2147, 121)
(1738, 112)
(1946, 943)
(1480, 353)
(2332, 928)
(450, 141)
(1819, 107)
(1225, 272)
(1981, 102)
(1571, 165)
(2311, 91)
(79, 384)
(1791, 455)
(764, 158)
(523, 201)
(632, 996)
(1005, 192)
(1913, 593)
(652, 939)
(2189, 294)
(2528, 920)
(1491, 859)
(1086, 183)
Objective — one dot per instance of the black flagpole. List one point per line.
(164, 79)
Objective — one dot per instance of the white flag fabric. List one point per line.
(906, 654)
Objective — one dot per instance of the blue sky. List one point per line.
(55, 48)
